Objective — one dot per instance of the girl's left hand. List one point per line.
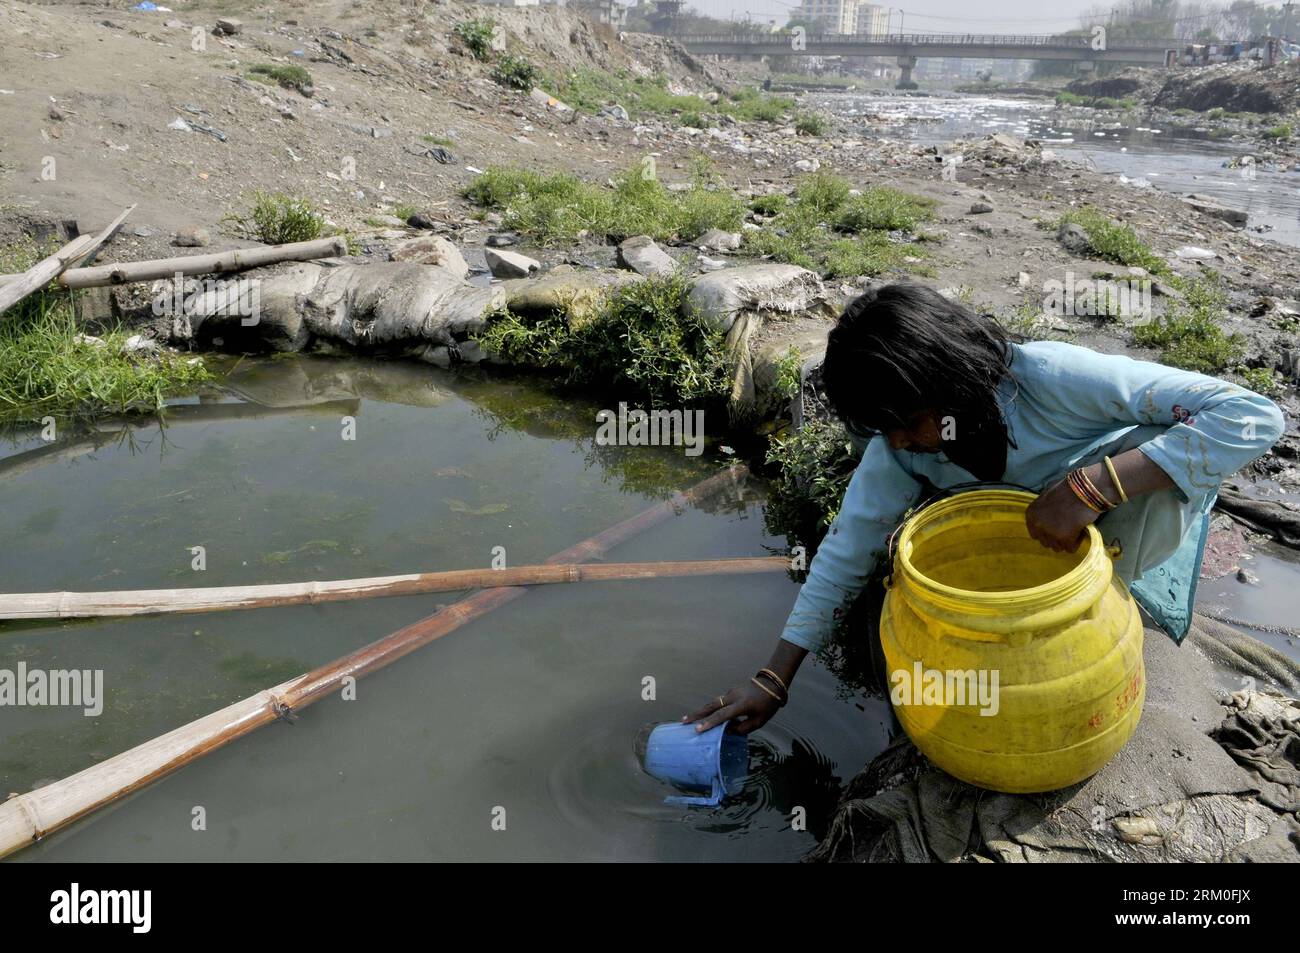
(1058, 518)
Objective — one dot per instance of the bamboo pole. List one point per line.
(26, 818)
(43, 272)
(94, 605)
(215, 263)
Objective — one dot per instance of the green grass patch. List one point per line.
(1262, 380)
(590, 90)
(1093, 102)
(644, 343)
(288, 76)
(553, 209)
(437, 140)
(826, 228)
(48, 366)
(1279, 132)
(1113, 242)
(1190, 333)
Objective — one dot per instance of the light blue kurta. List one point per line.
(1065, 406)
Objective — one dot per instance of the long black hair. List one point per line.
(902, 348)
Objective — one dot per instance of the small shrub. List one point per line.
(644, 342)
(813, 467)
(768, 204)
(477, 36)
(515, 72)
(277, 219)
(812, 124)
(789, 374)
(1279, 132)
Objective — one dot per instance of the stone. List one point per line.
(192, 236)
(509, 264)
(980, 208)
(1074, 239)
(642, 255)
(502, 239)
(432, 250)
(1216, 209)
(615, 112)
(228, 26)
(716, 239)
(807, 165)
(547, 101)
(425, 220)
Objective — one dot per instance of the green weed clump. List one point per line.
(476, 35)
(48, 366)
(644, 342)
(1279, 132)
(1111, 241)
(274, 218)
(812, 471)
(1190, 333)
(812, 124)
(1093, 102)
(826, 228)
(515, 72)
(553, 209)
(589, 90)
(288, 76)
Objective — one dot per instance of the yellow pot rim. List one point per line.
(1013, 609)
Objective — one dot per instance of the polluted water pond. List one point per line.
(530, 715)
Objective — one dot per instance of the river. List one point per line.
(1177, 158)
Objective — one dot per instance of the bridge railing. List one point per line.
(784, 38)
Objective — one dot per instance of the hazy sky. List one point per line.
(939, 16)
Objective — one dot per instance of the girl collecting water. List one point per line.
(942, 398)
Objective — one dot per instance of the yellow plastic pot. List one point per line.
(1012, 667)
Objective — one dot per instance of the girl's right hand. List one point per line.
(748, 702)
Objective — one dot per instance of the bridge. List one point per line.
(908, 47)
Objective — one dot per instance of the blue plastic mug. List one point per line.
(712, 761)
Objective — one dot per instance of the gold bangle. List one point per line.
(1099, 496)
(1072, 481)
(774, 695)
(776, 678)
(1114, 478)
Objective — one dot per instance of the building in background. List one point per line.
(829, 16)
(871, 19)
(610, 12)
